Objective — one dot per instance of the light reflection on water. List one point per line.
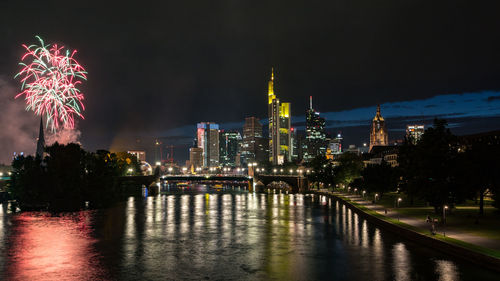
(233, 235)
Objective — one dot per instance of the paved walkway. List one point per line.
(450, 232)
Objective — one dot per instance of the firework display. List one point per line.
(49, 83)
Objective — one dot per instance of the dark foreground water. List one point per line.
(227, 235)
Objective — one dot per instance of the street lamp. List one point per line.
(364, 194)
(158, 163)
(170, 169)
(291, 171)
(376, 195)
(399, 200)
(445, 207)
(275, 170)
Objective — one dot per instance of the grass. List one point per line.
(460, 218)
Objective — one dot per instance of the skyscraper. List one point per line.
(253, 146)
(228, 144)
(208, 140)
(378, 132)
(315, 134)
(196, 157)
(414, 132)
(279, 127)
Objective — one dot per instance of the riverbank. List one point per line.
(445, 241)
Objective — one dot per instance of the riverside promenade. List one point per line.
(480, 244)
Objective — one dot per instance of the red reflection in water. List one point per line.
(44, 247)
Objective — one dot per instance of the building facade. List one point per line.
(378, 132)
(414, 132)
(315, 134)
(196, 157)
(208, 140)
(228, 147)
(280, 137)
(254, 147)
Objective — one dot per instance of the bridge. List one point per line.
(210, 179)
(293, 183)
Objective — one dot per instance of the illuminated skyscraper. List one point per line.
(378, 133)
(414, 132)
(253, 146)
(279, 127)
(208, 140)
(228, 144)
(315, 134)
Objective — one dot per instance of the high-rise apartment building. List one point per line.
(315, 134)
(228, 143)
(208, 140)
(279, 127)
(378, 132)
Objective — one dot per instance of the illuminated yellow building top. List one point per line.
(285, 110)
(270, 92)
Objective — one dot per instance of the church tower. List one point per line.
(40, 144)
(378, 133)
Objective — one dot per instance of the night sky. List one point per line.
(157, 68)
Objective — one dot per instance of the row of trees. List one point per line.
(439, 169)
(68, 176)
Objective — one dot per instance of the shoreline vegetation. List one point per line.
(68, 178)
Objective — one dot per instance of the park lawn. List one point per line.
(463, 219)
(455, 219)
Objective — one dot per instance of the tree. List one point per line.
(323, 171)
(478, 171)
(436, 154)
(68, 176)
(380, 178)
(409, 165)
(349, 168)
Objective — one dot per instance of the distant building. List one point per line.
(208, 140)
(196, 157)
(140, 154)
(294, 148)
(279, 127)
(315, 134)
(378, 132)
(228, 147)
(335, 144)
(387, 153)
(415, 132)
(253, 146)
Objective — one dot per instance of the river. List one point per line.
(200, 233)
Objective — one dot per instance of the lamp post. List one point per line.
(444, 218)
(399, 200)
(364, 194)
(376, 195)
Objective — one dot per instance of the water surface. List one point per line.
(201, 233)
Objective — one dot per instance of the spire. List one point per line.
(378, 109)
(311, 102)
(40, 144)
(270, 92)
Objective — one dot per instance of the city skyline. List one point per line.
(148, 69)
